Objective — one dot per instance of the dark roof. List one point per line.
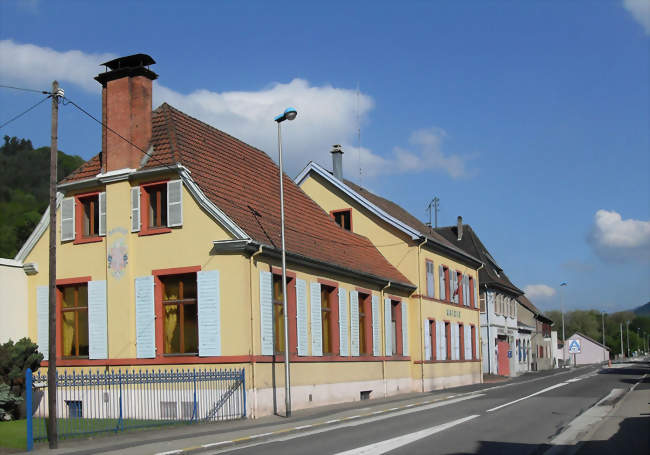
(243, 182)
(490, 274)
(590, 339)
(405, 217)
(529, 305)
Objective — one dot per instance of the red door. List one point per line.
(503, 362)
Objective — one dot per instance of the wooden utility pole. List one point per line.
(52, 433)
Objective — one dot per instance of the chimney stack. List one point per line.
(126, 110)
(459, 228)
(337, 161)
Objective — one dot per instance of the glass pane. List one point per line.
(171, 329)
(191, 328)
(278, 327)
(86, 217)
(82, 296)
(67, 333)
(277, 288)
(362, 332)
(83, 331)
(324, 297)
(327, 345)
(67, 298)
(394, 340)
(172, 286)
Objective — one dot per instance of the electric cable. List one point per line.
(23, 113)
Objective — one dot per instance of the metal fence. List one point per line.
(89, 403)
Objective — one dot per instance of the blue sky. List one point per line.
(529, 119)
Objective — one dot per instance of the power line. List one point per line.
(23, 113)
(230, 201)
(44, 92)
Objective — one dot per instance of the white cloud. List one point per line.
(640, 11)
(616, 239)
(539, 291)
(326, 115)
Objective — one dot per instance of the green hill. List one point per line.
(643, 310)
(24, 189)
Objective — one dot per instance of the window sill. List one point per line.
(154, 231)
(81, 240)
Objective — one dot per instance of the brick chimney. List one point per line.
(126, 109)
(459, 228)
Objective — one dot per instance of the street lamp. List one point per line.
(563, 338)
(627, 326)
(288, 114)
(602, 315)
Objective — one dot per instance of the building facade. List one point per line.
(446, 346)
(13, 291)
(591, 351)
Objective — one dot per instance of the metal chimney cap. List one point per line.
(336, 148)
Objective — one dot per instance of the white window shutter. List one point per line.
(266, 312)
(427, 340)
(476, 345)
(102, 213)
(354, 323)
(135, 209)
(376, 328)
(466, 290)
(441, 282)
(209, 309)
(343, 323)
(388, 328)
(67, 219)
(301, 316)
(454, 276)
(444, 339)
(405, 328)
(145, 331)
(316, 322)
(430, 279)
(174, 203)
(467, 334)
(454, 341)
(475, 295)
(97, 320)
(42, 313)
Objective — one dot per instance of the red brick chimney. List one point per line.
(126, 110)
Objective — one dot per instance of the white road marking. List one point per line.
(302, 427)
(261, 435)
(528, 396)
(171, 452)
(391, 444)
(213, 444)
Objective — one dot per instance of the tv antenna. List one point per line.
(433, 206)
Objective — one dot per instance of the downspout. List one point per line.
(250, 287)
(487, 325)
(478, 325)
(383, 362)
(421, 318)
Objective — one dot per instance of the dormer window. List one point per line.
(156, 207)
(157, 201)
(89, 215)
(83, 218)
(343, 218)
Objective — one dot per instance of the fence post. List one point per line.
(28, 408)
(243, 381)
(120, 422)
(194, 413)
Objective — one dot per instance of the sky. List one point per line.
(529, 119)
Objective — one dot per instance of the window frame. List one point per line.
(145, 204)
(61, 283)
(461, 342)
(474, 347)
(181, 302)
(291, 311)
(397, 343)
(448, 296)
(365, 300)
(432, 335)
(448, 339)
(333, 318)
(333, 214)
(79, 199)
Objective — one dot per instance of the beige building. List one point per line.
(13, 295)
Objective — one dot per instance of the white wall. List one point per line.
(13, 300)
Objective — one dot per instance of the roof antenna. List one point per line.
(434, 205)
(358, 132)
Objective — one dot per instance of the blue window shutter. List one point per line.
(476, 294)
(354, 323)
(97, 320)
(266, 312)
(427, 340)
(145, 331)
(439, 329)
(376, 328)
(430, 279)
(343, 323)
(445, 339)
(174, 203)
(67, 219)
(209, 306)
(388, 328)
(405, 328)
(467, 334)
(316, 322)
(456, 290)
(43, 311)
(135, 209)
(441, 282)
(102, 213)
(301, 316)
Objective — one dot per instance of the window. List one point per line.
(396, 324)
(343, 218)
(156, 197)
(447, 337)
(180, 314)
(83, 218)
(278, 314)
(461, 342)
(365, 324)
(432, 334)
(328, 308)
(474, 347)
(74, 320)
(89, 208)
(430, 279)
(156, 207)
(472, 295)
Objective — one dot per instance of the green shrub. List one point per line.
(15, 358)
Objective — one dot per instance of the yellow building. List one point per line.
(168, 256)
(444, 316)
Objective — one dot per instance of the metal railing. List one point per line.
(96, 402)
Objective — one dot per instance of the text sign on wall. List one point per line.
(453, 313)
(574, 347)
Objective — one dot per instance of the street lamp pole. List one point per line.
(602, 317)
(627, 326)
(563, 337)
(289, 114)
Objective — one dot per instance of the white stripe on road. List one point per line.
(528, 396)
(391, 444)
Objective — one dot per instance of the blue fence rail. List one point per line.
(96, 402)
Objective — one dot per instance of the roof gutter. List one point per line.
(249, 247)
(453, 254)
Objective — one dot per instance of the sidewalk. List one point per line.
(182, 436)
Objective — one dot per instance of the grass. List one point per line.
(12, 434)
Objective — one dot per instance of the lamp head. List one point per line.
(288, 114)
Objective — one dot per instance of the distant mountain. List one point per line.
(24, 189)
(643, 310)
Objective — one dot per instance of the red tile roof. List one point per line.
(243, 182)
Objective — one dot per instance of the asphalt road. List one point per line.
(517, 418)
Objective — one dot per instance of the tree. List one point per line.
(14, 361)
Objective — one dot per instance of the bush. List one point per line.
(15, 358)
